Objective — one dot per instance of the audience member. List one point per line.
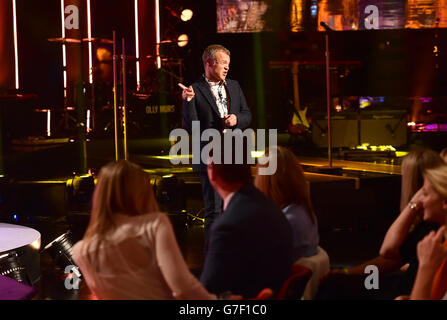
(443, 154)
(250, 245)
(431, 279)
(398, 249)
(129, 250)
(289, 189)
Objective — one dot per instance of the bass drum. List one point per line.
(153, 116)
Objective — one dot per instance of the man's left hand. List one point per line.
(230, 121)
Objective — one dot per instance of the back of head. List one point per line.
(232, 162)
(123, 188)
(413, 168)
(288, 185)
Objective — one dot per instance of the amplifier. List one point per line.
(344, 130)
(383, 127)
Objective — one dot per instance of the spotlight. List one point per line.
(170, 193)
(61, 250)
(11, 267)
(80, 191)
(186, 15)
(183, 40)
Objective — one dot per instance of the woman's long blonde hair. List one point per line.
(438, 179)
(413, 168)
(123, 188)
(288, 185)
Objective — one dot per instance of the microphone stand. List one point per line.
(328, 93)
(115, 95)
(329, 169)
(123, 58)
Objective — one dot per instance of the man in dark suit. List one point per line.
(250, 244)
(216, 102)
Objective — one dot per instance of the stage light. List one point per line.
(89, 34)
(186, 15)
(48, 123)
(16, 50)
(157, 32)
(64, 50)
(183, 40)
(137, 47)
(170, 194)
(89, 129)
(61, 249)
(11, 267)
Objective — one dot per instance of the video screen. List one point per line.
(239, 16)
(242, 16)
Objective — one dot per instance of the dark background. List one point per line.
(394, 63)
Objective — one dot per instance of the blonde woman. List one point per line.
(413, 167)
(398, 250)
(443, 154)
(431, 278)
(129, 250)
(289, 189)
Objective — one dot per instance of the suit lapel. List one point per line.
(231, 92)
(206, 91)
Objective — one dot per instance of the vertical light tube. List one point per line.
(157, 32)
(90, 54)
(88, 121)
(137, 46)
(64, 50)
(48, 123)
(16, 50)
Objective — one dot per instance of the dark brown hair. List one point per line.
(288, 185)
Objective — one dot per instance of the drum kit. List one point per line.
(109, 65)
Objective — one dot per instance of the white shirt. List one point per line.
(220, 96)
(139, 260)
(227, 200)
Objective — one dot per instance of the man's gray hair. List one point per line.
(210, 52)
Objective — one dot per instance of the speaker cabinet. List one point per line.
(344, 130)
(383, 127)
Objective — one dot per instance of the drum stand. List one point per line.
(124, 98)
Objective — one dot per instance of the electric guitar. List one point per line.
(299, 123)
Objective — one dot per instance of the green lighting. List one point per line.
(259, 76)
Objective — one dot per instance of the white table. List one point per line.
(14, 236)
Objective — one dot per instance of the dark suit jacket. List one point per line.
(250, 246)
(203, 107)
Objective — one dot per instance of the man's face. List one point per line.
(433, 204)
(218, 69)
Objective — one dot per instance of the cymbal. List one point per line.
(155, 57)
(64, 40)
(100, 40)
(171, 41)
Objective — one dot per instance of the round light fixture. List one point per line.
(187, 15)
(183, 40)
